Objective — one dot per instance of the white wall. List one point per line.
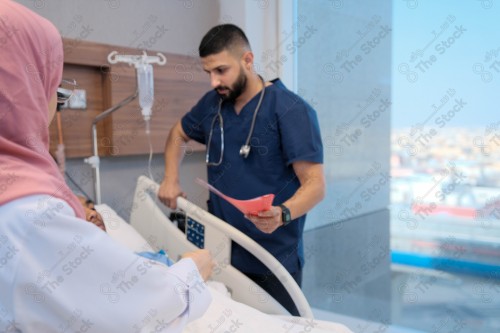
(175, 26)
(263, 22)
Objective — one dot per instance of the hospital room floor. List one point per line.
(442, 303)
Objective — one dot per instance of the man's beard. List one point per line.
(237, 89)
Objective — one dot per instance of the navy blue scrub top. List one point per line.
(286, 130)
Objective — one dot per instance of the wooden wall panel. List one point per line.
(178, 86)
(76, 124)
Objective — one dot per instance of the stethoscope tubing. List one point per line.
(245, 149)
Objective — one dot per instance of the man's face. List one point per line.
(227, 75)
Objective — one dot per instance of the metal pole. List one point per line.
(94, 160)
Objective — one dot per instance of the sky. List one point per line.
(453, 77)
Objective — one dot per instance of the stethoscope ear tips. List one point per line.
(244, 151)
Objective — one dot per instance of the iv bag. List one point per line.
(145, 85)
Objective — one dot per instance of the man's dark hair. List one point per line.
(223, 37)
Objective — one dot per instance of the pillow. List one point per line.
(121, 231)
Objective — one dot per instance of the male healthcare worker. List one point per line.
(260, 138)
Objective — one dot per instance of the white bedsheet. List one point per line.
(226, 315)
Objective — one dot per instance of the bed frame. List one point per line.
(204, 230)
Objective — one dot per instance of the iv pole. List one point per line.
(135, 60)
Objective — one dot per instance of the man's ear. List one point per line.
(247, 59)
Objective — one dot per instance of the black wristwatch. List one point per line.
(286, 217)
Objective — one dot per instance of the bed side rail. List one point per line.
(246, 242)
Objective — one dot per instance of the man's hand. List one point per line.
(168, 193)
(203, 260)
(174, 152)
(267, 221)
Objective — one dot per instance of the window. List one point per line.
(406, 94)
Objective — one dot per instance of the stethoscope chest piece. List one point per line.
(245, 150)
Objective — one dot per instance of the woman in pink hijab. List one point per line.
(31, 60)
(59, 273)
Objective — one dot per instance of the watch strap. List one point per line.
(286, 217)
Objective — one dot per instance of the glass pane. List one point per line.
(344, 71)
(406, 96)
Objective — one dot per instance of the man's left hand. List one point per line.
(267, 221)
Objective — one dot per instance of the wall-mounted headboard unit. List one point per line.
(178, 86)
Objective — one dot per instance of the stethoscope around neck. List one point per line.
(245, 149)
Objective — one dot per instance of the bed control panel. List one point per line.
(195, 233)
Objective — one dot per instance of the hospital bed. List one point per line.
(151, 230)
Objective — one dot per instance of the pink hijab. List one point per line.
(31, 62)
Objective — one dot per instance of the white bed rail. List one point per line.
(246, 242)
